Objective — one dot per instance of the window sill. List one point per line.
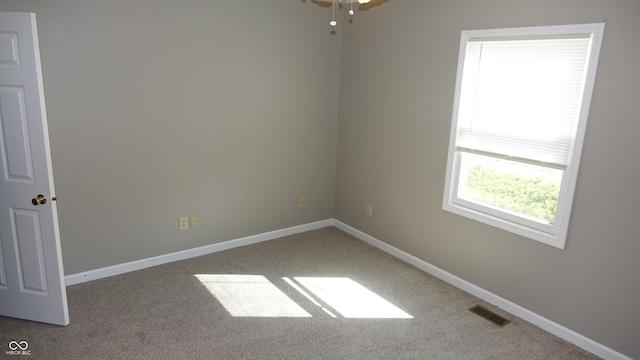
(554, 240)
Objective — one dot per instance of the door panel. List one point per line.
(28, 242)
(14, 139)
(3, 272)
(9, 52)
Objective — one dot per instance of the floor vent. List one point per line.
(489, 315)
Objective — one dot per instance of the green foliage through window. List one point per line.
(534, 197)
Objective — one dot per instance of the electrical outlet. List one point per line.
(194, 220)
(303, 202)
(368, 210)
(184, 223)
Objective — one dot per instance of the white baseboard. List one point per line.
(190, 253)
(517, 310)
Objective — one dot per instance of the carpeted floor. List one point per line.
(321, 276)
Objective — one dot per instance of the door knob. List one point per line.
(39, 200)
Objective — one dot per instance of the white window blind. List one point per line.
(520, 98)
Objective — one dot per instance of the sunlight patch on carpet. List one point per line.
(351, 299)
(308, 296)
(256, 296)
(250, 296)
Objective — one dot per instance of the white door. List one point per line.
(31, 276)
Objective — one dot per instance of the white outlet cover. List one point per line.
(184, 223)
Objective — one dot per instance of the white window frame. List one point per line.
(550, 234)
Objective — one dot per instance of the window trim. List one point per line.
(556, 234)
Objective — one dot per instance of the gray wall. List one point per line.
(161, 108)
(398, 76)
(229, 110)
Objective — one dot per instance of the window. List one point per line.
(519, 119)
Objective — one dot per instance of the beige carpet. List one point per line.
(316, 295)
